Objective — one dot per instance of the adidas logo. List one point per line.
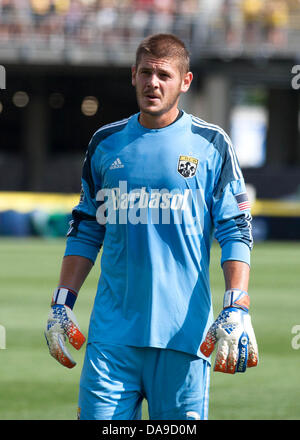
(229, 328)
(116, 164)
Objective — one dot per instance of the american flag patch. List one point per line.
(242, 201)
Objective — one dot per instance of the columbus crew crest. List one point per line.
(187, 166)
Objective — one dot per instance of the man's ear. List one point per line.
(186, 82)
(133, 75)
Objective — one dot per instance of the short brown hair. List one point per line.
(164, 46)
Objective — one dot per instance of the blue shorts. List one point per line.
(115, 379)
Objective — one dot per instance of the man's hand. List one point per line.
(62, 324)
(234, 335)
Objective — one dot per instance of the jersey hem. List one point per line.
(197, 354)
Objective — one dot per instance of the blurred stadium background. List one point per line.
(66, 71)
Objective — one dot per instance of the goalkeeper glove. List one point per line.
(234, 335)
(62, 324)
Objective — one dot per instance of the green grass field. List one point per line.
(34, 386)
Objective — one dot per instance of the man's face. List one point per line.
(159, 83)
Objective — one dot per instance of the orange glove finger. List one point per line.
(221, 356)
(76, 338)
(208, 345)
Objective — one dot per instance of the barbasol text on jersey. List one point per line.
(159, 206)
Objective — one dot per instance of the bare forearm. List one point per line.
(236, 275)
(74, 271)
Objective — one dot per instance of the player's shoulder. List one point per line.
(213, 133)
(221, 142)
(106, 131)
(112, 127)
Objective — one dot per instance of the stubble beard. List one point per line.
(161, 111)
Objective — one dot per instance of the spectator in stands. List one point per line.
(7, 18)
(140, 21)
(162, 18)
(185, 19)
(252, 16)
(233, 22)
(40, 10)
(61, 6)
(73, 19)
(106, 19)
(276, 18)
(209, 12)
(23, 18)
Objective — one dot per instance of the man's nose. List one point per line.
(153, 80)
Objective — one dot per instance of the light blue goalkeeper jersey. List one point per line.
(155, 199)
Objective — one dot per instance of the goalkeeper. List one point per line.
(156, 188)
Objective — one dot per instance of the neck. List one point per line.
(158, 121)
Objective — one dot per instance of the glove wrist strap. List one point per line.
(236, 298)
(64, 296)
